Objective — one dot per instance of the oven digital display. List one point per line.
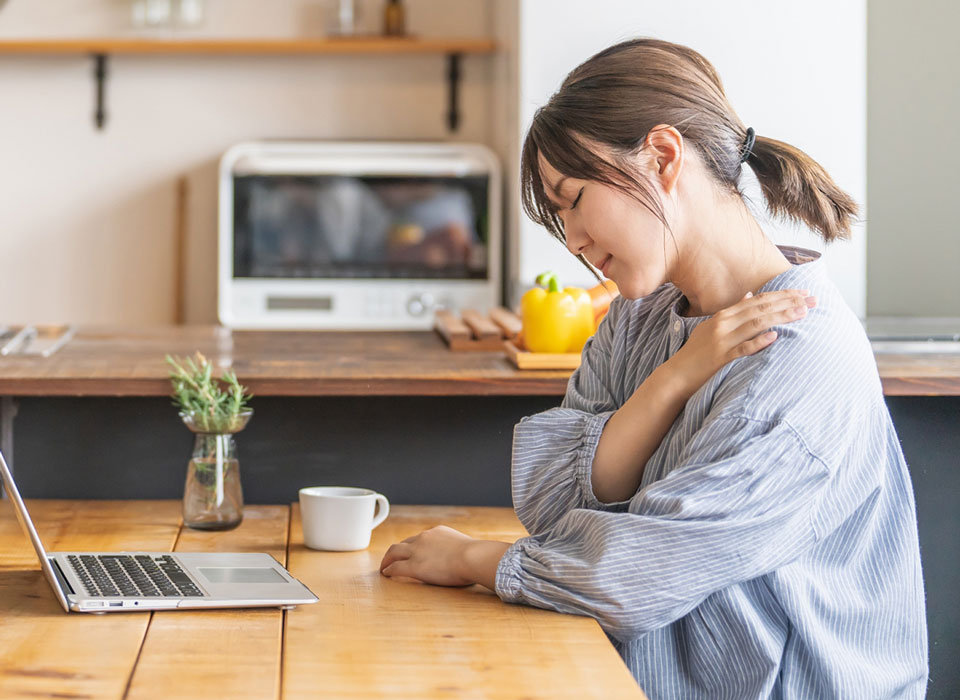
(333, 226)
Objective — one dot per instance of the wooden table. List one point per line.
(368, 637)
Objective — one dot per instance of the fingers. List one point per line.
(768, 311)
(399, 568)
(743, 328)
(769, 302)
(755, 345)
(756, 326)
(396, 553)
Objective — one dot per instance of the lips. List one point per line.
(603, 264)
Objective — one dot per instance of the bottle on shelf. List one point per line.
(344, 19)
(394, 19)
(190, 13)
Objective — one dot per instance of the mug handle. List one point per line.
(384, 510)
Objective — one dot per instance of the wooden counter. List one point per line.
(129, 362)
(368, 637)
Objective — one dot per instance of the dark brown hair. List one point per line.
(616, 97)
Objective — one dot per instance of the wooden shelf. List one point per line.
(101, 48)
(346, 45)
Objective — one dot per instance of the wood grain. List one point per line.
(180, 252)
(47, 652)
(125, 361)
(509, 322)
(113, 361)
(370, 636)
(481, 326)
(218, 653)
(541, 360)
(451, 328)
(919, 375)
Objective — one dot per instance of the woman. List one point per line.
(736, 513)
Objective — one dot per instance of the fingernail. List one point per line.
(811, 301)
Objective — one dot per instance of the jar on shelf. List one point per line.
(190, 13)
(151, 14)
(394, 19)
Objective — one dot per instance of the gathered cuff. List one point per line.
(507, 581)
(592, 429)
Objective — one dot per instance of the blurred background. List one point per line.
(89, 217)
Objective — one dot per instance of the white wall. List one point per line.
(87, 218)
(793, 71)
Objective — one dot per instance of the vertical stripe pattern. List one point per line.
(771, 550)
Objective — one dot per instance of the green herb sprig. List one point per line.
(201, 398)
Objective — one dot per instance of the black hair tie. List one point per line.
(748, 145)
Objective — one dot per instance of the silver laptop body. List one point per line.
(101, 582)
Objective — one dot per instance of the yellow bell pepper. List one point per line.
(554, 320)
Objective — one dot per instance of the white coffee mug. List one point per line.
(340, 518)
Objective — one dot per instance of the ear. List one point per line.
(665, 147)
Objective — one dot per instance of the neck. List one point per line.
(718, 265)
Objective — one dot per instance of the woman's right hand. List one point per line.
(737, 331)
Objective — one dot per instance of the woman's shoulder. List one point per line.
(820, 368)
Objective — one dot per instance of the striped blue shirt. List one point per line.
(771, 550)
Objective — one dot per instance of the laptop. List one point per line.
(100, 582)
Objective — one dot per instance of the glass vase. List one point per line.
(213, 496)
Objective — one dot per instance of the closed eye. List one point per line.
(577, 200)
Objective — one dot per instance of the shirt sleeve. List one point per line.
(740, 504)
(553, 450)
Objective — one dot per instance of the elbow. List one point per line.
(625, 622)
(624, 625)
(539, 509)
(532, 517)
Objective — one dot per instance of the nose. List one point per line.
(577, 238)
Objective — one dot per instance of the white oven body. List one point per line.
(350, 303)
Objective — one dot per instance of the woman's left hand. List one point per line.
(434, 556)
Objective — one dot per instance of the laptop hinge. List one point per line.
(61, 578)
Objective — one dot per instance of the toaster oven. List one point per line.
(356, 235)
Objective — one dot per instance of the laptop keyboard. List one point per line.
(140, 575)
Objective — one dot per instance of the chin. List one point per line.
(636, 289)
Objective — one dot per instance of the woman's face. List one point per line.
(614, 232)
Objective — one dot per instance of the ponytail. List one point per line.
(797, 187)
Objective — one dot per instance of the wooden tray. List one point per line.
(474, 331)
(541, 360)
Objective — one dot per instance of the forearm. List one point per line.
(634, 432)
(480, 560)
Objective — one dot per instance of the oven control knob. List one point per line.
(420, 304)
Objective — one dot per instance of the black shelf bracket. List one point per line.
(453, 77)
(453, 83)
(100, 77)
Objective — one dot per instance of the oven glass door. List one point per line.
(361, 227)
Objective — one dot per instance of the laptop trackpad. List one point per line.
(235, 574)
